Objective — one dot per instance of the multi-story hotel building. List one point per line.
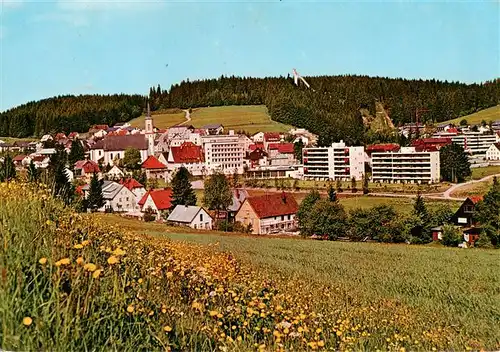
(224, 152)
(337, 162)
(405, 166)
(473, 142)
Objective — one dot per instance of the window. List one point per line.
(289, 217)
(201, 217)
(127, 199)
(282, 217)
(111, 156)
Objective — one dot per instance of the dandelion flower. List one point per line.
(27, 321)
(130, 309)
(79, 260)
(64, 261)
(48, 222)
(90, 267)
(96, 273)
(43, 261)
(85, 243)
(167, 328)
(78, 246)
(321, 343)
(213, 313)
(118, 251)
(112, 260)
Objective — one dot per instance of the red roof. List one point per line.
(256, 145)
(452, 130)
(272, 136)
(284, 148)
(476, 199)
(152, 163)
(100, 127)
(72, 134)
(60, 136)
(187, 152)
(19, 158)
(274, 204)
(88, 166)
(79, 190)
(131, 183)
(39, 158)
(118, 133)
(389, 147)
(161, 197)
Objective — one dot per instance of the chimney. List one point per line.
(231, 132)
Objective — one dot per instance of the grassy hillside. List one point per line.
(453, 300)
(251, 118)
(480, 172)
(160, 120)
(492, 114)
(70, 281)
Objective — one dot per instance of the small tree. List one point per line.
(421, 229)
(7, 169)
(132, 159)
(365, 184)
(217, 195)
(235, 181)
(328, 219)
(149, 215)
(332, 195)
(304, 212)
(182, 191)
(452, 237)
(488, 214)
(76, 153)
(95, 199)
(353, 185)
(33, 173)
(463, 122)
(297, 150)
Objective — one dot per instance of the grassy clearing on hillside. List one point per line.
(492, 114)
(12, 139)
(251, 118)
(160, 120)
(480, 172)
(433, 285)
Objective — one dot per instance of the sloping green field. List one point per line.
(165, 120)
(492, 114)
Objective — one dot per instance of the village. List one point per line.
(263, 156)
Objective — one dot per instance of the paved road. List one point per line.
(449, 191)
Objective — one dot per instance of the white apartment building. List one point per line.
(473, 142)
(224, 152)
(405, 166)
(337, 162)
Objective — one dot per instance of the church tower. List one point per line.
(150, 135)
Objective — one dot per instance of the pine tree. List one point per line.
(366, 190)
(297, 149)
(76, 153)
(182, 190)
(454, 163)
(235, 181)
(353, 185)
(61, 187)
(488, 215)
(422, 230)
(95, 199)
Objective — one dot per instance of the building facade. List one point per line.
(224, 153)
(337, 162)
(493, 152)
(405, 166)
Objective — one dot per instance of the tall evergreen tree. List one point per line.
(95, 199)
(488, 215)
(7, 169)
(332, 195)
(76, 153)
(421, 230)
(182, 191)
(61, 187)
(297, 149)
(366, 189)
(33, 173)
(454, 163)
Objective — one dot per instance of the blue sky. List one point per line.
(78, 47)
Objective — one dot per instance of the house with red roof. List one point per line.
(85, 169)
(281, 154)
(21, 160)
(159, 200)
(464, 216)
(430, 144)
(135, 187)
(189, 155)
(271, 137)
(154, 168)
(269, 214)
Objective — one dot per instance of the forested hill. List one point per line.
(69, 113)
(331, 108)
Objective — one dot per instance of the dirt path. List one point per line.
(449, 191)
(187, 116)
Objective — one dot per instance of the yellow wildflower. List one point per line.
(169, 274)
(113, 260)
(167, 328)
(130, 309)
(90, 267)
(78, 246)
(321, 343)
(43, 261)
(96, 273)
(27, 321)
(118, 251)
(48, 222)
(79, 260)
(213, 313)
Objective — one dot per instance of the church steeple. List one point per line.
(150, 136)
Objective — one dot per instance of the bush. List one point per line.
(149, 215)
(452, 236)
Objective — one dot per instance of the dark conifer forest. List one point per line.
(332, 108)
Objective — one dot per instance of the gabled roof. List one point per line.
(118, 143)
(100, 127)
(187, 152)
(476, 199)
(131, 183)
(496, 145)
(239, 196)
(274, 204)
(19, 158)
(184, 213)
(388, 147)
(88, 166)
(256, 146)
(152, 163)
(161, 197)
(109, 189)
(272, 136)
(284, 148)
(212, 126)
